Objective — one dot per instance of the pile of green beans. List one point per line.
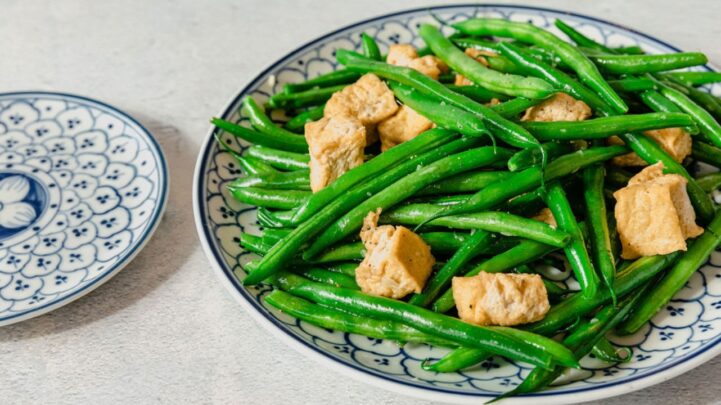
(469, 187)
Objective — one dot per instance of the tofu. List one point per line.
(369, 100)
(405, 125)
(653, 214)
(500, 299)
(397, 261)
(559, 107)
(335, 145)
(675, 141)
(545, 215)
(407, 55)
(478, 55)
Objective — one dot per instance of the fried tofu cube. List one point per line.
(335, 145)
(545, 215)
(405, 125)
(397, 261)
(654, 215)
(559, 107)
(478, 55)
(407, 55)
(675, 141)
(500, 299)
(369, 99)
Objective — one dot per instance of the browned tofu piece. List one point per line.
(397, 261)
(654, 215)
(559, 107)
(500, 299)
(675, 141)
(369, 100)
(545, 215)
(479, 55)
(406, 55)
(335, 145)
(405, 125)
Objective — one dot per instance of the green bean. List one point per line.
(491, 221)
(706, 153)
(306, 98)
(336, 320)
(458, 359)
(635, 64)
(443, 115)
(596, 214)
(297, 123)
(695, 78)
(526, 251)
(428, 140)
(661, 293)
(633, 84)
(281, 199)
(706, 100)
(343, 268)
(517, 345)
(327, 277)
(580, 39)
(477, 43)
(253, 243)
(404, 188)
(370, 47)
(273, 235)
(298, 180)
(605, 351)
(477, 93)
(512, 85)
(709, 182)
(268, 219)
(648, 150)
(706, 123)
(655, 101)
(264, 125)
(576, 252)
(511, 108)
(284, 251)
(560, 80)
(296, 143)
(584, 68)
(349, 251)
(630, 50)
(509, 132)
(530, 157)
(279, 159)
(472, 247)
(464, 182)
(599, 128)
(255, 166)
(329, 79)
(445, 241)
(527, 180)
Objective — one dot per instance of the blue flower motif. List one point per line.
(14, 213)
(60, 279)
(666, 335)
(382, 361)
(21, 285)
(674, 311)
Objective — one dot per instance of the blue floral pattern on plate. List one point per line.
(82, 187)
(684, 334)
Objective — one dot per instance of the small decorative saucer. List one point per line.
(82, 188)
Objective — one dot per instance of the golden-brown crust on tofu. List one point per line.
(405, 125)
(479, 56)
(560, 107)
(675, 141)
(500, 299)
(397, 261)
(407, 55)
(545, 215)
(401, 54)
(654, 214)
(369, 100)
(335, 145)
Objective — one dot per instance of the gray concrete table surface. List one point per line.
(164, 330)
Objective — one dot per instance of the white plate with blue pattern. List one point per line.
(682, 336)
(82, 188)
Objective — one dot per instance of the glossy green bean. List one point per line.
(370, 47)
(580, 39)
(271, 219)
(327, 277)
(297, 123)
(298, 180)
(253, 166)
(704, 120)
(296, 143)
(253, 243)
(596, 218)
(333, 78)
(458, 359)
(404, 188)
(371, 169)
(511, 108)
(508, 131)
(443, 115)
(633, 84)
(518, 345)
(636, 64)
(661, 293)
(648, 150)
(512, 85)
(605, 351)
(340, 253)
(263, 124)
(584, 68)
(343, 268)
(695, 78)
(530, 157)
(604, 127)
(279, 159)
(477, 93)
(305, 98)
(706, 153)
(280, 199)
(464, 182)
(286, 249)
(709, 182)
(657, 102)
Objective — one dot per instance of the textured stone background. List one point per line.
(164, 330)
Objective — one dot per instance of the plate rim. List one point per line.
(164, 181)
(273, 326)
